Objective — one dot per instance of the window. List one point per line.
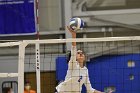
(131, 64)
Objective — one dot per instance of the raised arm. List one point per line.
(73, 33)
(72, 61)
(88, 85)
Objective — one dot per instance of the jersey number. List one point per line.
(80, 78)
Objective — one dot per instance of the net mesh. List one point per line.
(113, 64)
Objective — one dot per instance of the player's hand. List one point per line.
(73, 33)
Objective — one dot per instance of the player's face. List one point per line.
(27, 87)
(80, 56)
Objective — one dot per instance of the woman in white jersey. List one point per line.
(77, 73)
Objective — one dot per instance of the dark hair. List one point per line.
(68, 56)
(27, 82)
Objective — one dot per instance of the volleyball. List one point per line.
(76, 23)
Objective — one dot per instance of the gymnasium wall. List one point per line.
(10, 64)
(109, 70)
(49, 15)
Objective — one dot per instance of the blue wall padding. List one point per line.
(109, 70)
(61, 68)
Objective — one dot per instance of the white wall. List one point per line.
(49, 15)
(9, 64)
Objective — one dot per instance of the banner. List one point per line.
(17, 17)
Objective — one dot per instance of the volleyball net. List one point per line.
(112, 62)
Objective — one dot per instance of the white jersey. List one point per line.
(75, 77)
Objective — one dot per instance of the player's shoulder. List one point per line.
(85, 68)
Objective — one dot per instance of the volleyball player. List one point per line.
(77, 73)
